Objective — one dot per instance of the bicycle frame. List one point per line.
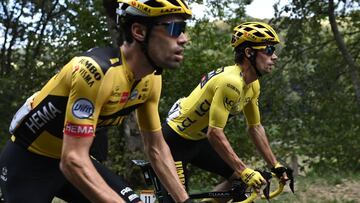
(237, 193)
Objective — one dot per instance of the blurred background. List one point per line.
(310, 103)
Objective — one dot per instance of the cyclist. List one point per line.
(194, 126)
(48, 154)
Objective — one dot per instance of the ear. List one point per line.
(138, 31)
(249, 52)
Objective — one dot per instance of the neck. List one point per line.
(248, 71)
(136, 60)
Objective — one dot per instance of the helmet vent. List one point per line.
(154, 4)
(248, 29)
(270, 33)
(260, 26)
(258, 34)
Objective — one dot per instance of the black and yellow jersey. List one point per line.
(93, 90)
(220, 94)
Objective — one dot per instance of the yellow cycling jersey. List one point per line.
(220, 94)
(93, 90)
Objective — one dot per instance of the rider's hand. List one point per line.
(252, 178)
(280, 172)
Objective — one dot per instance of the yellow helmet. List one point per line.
(255, 33)
(153, 8)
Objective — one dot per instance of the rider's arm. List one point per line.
(162, 162)
(257, 131)
(224, 99)
(79, 131)
(259, 138)
(155, 146)
(258, 135)
(222, 146)
(80, 171)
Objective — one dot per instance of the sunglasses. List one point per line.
(268, 49)
(174, 29)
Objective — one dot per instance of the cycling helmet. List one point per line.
(254, 33)
(153, 8)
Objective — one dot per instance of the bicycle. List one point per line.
(239, 192)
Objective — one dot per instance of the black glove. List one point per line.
(279, 169)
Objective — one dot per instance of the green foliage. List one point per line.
(308, 104)
(316, 108)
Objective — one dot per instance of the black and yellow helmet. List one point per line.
(153, 8)
(254, 33)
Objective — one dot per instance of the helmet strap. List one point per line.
(252, 60)
(145, 50)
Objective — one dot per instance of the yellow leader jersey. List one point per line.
(220, 94)
(93, 90)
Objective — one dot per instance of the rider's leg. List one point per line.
(28, 177)
(117, 183)
(223, 186)
(70, 194)
(209, 160)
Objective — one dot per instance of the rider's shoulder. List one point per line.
(231, 74)
(104, 57)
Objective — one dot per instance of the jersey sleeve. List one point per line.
(224, 99)
(148, 113)
(251, 109)
(86, 78)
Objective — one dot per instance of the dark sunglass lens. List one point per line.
(269, 50)
(176, 28)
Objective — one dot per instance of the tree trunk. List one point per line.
(295, 164)
(343, 49)
(132, 134)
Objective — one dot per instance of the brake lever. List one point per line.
(289, 173)
(266, 190)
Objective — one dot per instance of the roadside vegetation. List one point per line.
(310, 104)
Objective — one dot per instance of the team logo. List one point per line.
(228, 103)
(4, 172)
(124, 97)
(208, 76)
(133, 95)
(82, 108)
(77, 130)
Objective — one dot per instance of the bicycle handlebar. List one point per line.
(250, 199)
(150, 177)
(272, 194)
(276, 192)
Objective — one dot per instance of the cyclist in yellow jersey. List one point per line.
(194, 126)
(48, 154)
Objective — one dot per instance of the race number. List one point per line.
(147, 196)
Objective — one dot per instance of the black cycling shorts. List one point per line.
(27, 177)
(199, 153)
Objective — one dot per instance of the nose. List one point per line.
(182, 39)
(274, 57)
